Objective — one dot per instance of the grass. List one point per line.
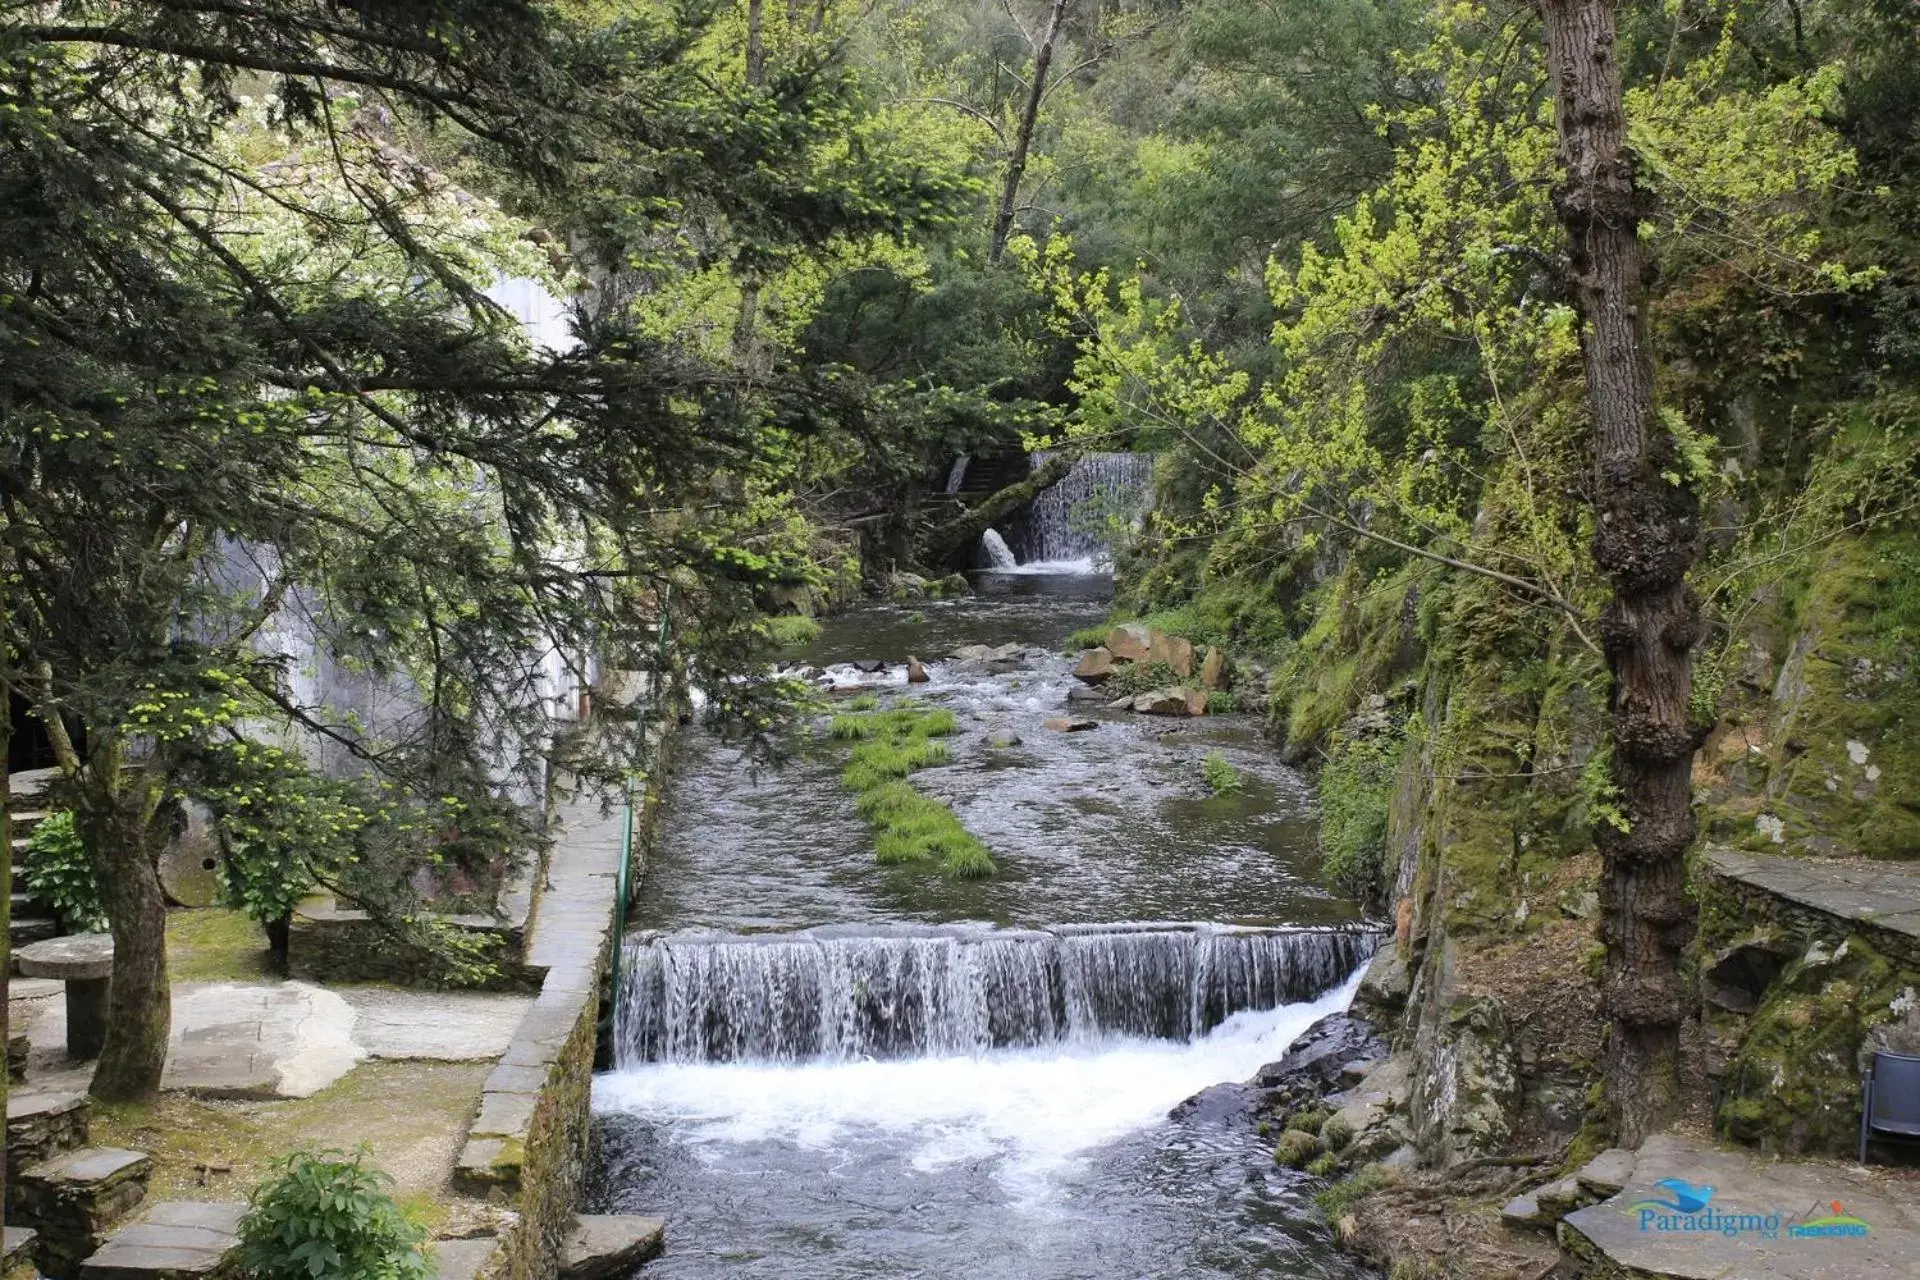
(1222, 778)
(790, 631)
(411, 1116)
(908, 827)
(212, 944)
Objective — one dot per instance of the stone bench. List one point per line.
(84, 961)
(174, 1240)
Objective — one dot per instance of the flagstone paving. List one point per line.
(1885, 896)
(1763, 1219)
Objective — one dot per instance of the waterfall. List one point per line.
(997, 552)
(836, 994)
(957, 474)
(1062, 523)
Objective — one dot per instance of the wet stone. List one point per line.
(608, 1246)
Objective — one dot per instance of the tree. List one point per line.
(1646, 535)
(252, 378)
(1023, 129)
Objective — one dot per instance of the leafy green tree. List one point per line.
(252, 376)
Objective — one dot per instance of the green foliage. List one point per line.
(327, 1216)
(1222, 778)
(56, 871)
(1355, 789)
(864, 702)
(908, 826)
(1334, 1201)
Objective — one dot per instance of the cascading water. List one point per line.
(940, 992)
(998, 555)
(957, 474)
(1062, 524)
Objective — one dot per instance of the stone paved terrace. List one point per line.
(1610, 1240)
(170, 1241)
(1882, 895)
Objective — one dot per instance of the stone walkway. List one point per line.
(1885, 896)
(287, 1039)
(1753, 1219)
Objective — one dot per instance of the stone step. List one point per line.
(42, 1125)
(23, 931)
(609, 1246)
(16, 1253)
(172, 1240)
(25, 820)
(462, 1259)
(73, 1200)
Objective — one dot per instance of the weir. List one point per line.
(1062, 523)
(837, 995)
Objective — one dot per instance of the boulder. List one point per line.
(973, 653)
(1176, 652)
(1062, 724)
(916, 672)
(1082, 693)
(1524, 1213)
(1124, 703)
(870, 665)
(1213, 672)
(1387, 982)
(1130, 641)
(1197, 700)
(1003, 738)
(1164, 702)
(605, 1246)
(1096, 666)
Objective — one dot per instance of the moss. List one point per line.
(1336, 1133)
(1335, 1200)
(790, 632)
(1308, 1119)
(213, 944)
(412, 1116)
(1323, 1166)
(1793, 1084)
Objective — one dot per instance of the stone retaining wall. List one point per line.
(335, 944)
(530, 1144)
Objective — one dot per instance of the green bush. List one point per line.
(1222, 778)
(1356, 790)
(326, 1216)
(57, 873)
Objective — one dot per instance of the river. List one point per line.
(829, 1068)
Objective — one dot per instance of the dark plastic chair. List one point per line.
(1890, 1099)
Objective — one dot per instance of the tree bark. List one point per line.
(6, 906)
(756, 42)
(1023, 136)
(1648, 531)
(121, 843)
(944, 541)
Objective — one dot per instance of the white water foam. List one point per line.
(1036, 1114)
(1086, 566)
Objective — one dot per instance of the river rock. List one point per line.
(1164, 702)
(1197, 701)
(1124, 703)
(870, 665)
(1096, 666)
(916, 673)
(1003, 737)
(1314, 1063)
(1213, 672)
(973, 653)
(1064, 724)
(1175, 651)
(1130, 641)
(606, 1246)
(1083, 693)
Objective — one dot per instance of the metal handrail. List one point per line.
(623, 880)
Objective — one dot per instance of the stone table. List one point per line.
(84, 961)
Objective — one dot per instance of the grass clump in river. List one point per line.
(908, 826)
(1222, 778)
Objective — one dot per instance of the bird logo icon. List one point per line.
(1685, 1197)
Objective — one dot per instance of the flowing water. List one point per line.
(829, 1068)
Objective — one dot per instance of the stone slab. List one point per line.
(608, 1246)
(436, 1026)
(90, 1165)
(78, 957)
(243, 1040)
(1884, 897)
(462, 1259)
(172, 1240)
(1752, 1189)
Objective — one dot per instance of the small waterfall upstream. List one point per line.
(1061, 526)
(998, 554)
(841, 996)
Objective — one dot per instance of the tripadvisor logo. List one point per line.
(1686, 1209)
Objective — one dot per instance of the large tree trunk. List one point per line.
(122, 844)
(1023, 136)
(6, 904)
(1648, 531)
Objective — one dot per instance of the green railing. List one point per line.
(623, 881)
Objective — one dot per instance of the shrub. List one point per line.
(326, 1216)
(57, 873)
(1355, 790)
(1222, 778)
